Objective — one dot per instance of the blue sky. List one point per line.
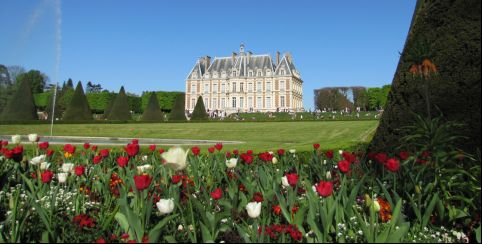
(152, 45)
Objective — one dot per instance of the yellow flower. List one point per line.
(67, 155)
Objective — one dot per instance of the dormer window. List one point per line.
(194, 75)
(250, 73)
(234, 73)
(268, 72)
(259, 73)
(282, 72)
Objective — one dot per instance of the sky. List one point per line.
(153, 45)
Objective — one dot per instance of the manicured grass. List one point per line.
(257, 135)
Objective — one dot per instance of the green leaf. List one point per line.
(429, 210)
(207, 238)
(122, 220)
(477, 234)
(156, 231)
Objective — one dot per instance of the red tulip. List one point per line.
(86, 145)
(132, 149)
(47, 176)
(281, 152)
(195, 151)
(228, 154)
(404, 155)
(249, 152)
(135, 141)
(381, 157)
(69, 148)
(161, 150)
(258, 197)
(277, 209)
(43, 145)
(175, 179)
(79, 170)
(236, 152)
(316, 146)
(94, 148)
(393, 164)
(218, 146)
(211, 149)
(97, 159)
(122, 161)
(292, 179)
(217, 194)
(248, 159)
(50, 153)
(344, 166)
(329, 154)
(142, 181)
(104, 153)
(324, 188)
(152, 148)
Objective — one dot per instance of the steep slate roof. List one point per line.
(243, 63)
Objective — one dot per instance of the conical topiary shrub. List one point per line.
(153, 111)
(199, 112)
(120, 109)
(21, 106)
(177, 112)
(78, 108)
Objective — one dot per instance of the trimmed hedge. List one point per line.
(448, 33)
(153, 111)
(199, 112)
(78, 108)
(166, 99)
(120, 109)
(21, 106)
(177, 112)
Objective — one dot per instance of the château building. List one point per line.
(245, 82)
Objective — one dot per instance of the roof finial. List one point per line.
(241, 48)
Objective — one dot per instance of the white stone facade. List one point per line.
(245, 83)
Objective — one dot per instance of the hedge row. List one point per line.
(98, 102)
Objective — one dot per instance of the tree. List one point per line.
(36, 80)
(93, 88)
(153, 112)
(15, 71)
(199, 112)
(21, 106)
(177, 112)
(448, 34)
(360, 97)
(4, 76)
(120, 109)
(78, 108)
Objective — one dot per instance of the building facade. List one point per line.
(245, 83)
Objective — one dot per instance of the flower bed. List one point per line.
(87, 194)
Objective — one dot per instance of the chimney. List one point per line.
(207, 62)
(288, 57)
(277, 58)
(233, 57)
(249, 56)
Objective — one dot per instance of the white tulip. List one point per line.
(144, 158)
(253, 209)
(275, 160)
(165, 206)
(328, 174)
(176, 158)
(32, 137)
(38, 160)
(340, 152)
(44, 165)
(62, 177)
(67, 167)
(284, 181)
(16, 139)
(231, 163)
(143, 168)
(293, 151)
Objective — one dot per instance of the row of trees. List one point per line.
(340, 98)
(21, 106)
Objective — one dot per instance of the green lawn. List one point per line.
(257, 135)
